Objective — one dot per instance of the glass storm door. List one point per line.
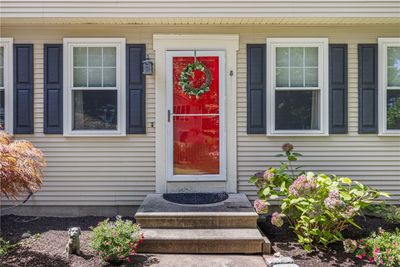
(196, 125)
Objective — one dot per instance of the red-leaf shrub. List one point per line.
(21, 166)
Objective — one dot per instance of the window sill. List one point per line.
(296, 134)
(389, 134)
(94, 134)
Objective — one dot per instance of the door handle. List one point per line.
(169, 115)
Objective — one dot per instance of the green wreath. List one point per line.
(188, 73)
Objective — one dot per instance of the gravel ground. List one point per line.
(47, 247)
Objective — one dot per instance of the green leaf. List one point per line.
(273, 196)
(354, 224)
(283, 186)
(297, 154)
(346, 180)
(384, 194)
(346, 196)
(253, 179)
(266, 191)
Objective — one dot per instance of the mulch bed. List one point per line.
(284, 241)
(47, 248)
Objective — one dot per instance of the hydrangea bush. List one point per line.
(116, 241)
(318, 207)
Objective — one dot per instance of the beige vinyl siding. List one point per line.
(121, 170)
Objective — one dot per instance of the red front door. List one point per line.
(196, 122)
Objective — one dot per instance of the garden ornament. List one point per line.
(74, 244)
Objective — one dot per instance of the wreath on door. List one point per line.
(187, 76)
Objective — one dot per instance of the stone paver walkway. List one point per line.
(189, 260)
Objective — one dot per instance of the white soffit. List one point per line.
(201, 11)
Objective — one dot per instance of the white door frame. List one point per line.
(210, 42)
(222, 130)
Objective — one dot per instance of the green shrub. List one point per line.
(317, 207)
(116, 241)
(389, 213)
(382, 248)
(5, 246)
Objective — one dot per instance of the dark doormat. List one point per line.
(195, 198)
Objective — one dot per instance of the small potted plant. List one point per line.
(116, 241)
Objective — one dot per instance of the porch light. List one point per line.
(147, 66)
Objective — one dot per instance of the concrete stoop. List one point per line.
(225, 227)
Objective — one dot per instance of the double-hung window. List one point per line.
(389, 86)
(6, 84)
(95, 84)
(297, 86)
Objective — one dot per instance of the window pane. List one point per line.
(1, 56)
(109, 56)
(2, 110)
(282, 57)
(282, 77)
(296, 56)
(1, 76)
(393, 54)
(297, 110)
(80, 77)
(393, 61)
(95, 56)
(393, 109)
(311, 77)
(296, 77)
(80, 56)
(393, 76)
(95, 109)
(109, 77)
(94, 77)
(311, 56)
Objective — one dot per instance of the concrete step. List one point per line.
(197, 220)
(213, 241)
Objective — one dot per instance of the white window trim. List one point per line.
(383, 44)
(323, 72)
(7, 43)
(119, 43)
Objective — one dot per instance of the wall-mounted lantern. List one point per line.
(147, 66)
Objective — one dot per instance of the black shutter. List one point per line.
(367, 88)
(53, 88)
(256, 88)
(136, 87)
(338, 88)
(23, 88)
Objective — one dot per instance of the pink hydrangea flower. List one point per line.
(268, 175)
(349, 212)
(333, 201)
(277, 219)
(349, 245)
(261, 206)
(303, 185)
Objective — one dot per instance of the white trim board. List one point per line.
(7, 43)
(173, 42)
(323, 84)
(69, 44)
(383, 44)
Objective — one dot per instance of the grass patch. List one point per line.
(5, 246)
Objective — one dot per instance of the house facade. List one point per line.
(322, 75)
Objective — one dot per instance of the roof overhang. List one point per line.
(200, 11)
